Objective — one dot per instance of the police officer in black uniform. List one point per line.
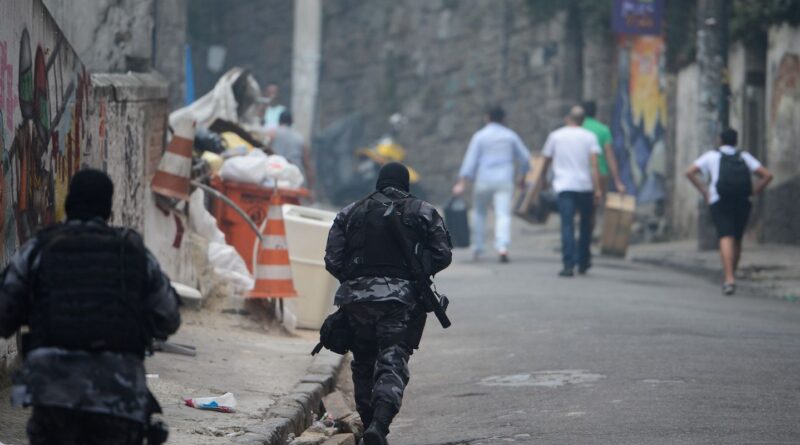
(376, 292)
(91, 298)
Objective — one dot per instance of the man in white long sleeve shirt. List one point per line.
(495, 158)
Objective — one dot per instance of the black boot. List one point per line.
(379, 427)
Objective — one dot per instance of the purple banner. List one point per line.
(637, 16)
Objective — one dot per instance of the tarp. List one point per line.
(221, 102)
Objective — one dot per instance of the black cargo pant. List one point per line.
(385, 335)
(61, 426)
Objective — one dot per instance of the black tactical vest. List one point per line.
(372, 249)
(88, 290)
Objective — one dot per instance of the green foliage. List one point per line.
(750, 20)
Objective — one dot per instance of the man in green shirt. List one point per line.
(606, 161)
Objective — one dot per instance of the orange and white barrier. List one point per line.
(175, 169)
(273, 272)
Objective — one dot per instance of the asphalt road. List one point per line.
(626, 355)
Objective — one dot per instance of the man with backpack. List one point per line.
(89, 298)
(729, 172)
(381, 306)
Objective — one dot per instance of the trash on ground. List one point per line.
(225, 403)
(174, 348)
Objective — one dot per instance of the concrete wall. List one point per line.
(781, 222)
(108, 35)
(440, 63)
(118, 36)
(684, 198)
(171, 23)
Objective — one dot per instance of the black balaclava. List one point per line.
(393, 174)
(90, 194)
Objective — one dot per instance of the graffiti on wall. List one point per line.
(639, 118)
(44, 99)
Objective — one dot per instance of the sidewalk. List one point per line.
(766, 270)
(234, 355)
(275, 380)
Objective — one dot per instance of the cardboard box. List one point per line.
(618, 217)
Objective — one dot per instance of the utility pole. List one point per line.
(712, 112)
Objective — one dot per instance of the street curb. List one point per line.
(713, 275)
(294, 412)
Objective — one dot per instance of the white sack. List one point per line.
(201, 220)
(251, 168)
(229, 264)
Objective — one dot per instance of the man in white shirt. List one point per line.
(728, 192)
(572, 151)
(496, 157)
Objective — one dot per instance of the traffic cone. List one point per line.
(273, 271)
(175, 169)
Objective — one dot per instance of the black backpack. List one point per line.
(735, 180)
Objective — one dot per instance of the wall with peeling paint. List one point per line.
(769, 127)
(781, 219)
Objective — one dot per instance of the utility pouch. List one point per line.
(416, 326)
(24, 343)
(156, 432)
(335, 334)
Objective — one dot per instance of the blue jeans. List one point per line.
(568, 204)
(499, 195)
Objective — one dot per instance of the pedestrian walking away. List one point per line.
(572, 151)
(90, 299)
(728, 192)
(496, 159)
(287, 142)
(606, 160)
(381, 308)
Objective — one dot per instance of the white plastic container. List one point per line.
(307, 233)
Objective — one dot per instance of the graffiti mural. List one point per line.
(639, 117)
(44, 106)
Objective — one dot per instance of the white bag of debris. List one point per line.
(229, 264)
(201, 221)
(251, 168)
(283, 173)
(225, 260)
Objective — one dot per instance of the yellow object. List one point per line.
(413, 175)
(233, 140)
(214, 161)
(387, 151)
(390, 150)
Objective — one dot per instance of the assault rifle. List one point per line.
(430, 299)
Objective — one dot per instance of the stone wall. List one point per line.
(256, 34)
(440, 63)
